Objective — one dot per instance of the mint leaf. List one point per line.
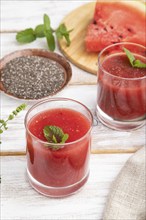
(54, 139)
(39, 31)
(47, 22)
(129, 55)
(49, 33)
(50, 39)
(63, 32)
(64, 138)
(133, 61)
(139, 64)
(67, 39)
(26, 36)
(55, 134)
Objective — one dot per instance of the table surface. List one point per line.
(110, 149)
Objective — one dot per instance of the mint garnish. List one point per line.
(44, 30)
(133, 61)
(55, 134)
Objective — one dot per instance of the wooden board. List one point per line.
(76, 53)
(79, 19)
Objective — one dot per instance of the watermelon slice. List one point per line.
(116, 22)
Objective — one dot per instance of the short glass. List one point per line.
(121, 88)
(58, 172)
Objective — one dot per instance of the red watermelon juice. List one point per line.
(59, 172)
(121, 90)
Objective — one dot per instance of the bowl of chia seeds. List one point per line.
(33, 74)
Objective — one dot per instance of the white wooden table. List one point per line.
(110, 149)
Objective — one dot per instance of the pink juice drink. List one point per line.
(63, 171)
(121, 90)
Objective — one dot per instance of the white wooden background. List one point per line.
(18, 200)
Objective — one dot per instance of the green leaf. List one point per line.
(50, 40)
(64, 139)
(129, 55)
(55, 134)
(54, 139)
(1, 131)
(15, 112)
(22, 106)
(11, 117)
(48, 134)
(62, 28)
(139, 64)
(59, 34)
(49, 33)
(39, 31)
(133, 61)
(63, 32)
(67, 39)
(47, 25)
(26, 36)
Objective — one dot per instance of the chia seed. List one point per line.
(32, 77)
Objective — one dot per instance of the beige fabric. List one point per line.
(127, 200)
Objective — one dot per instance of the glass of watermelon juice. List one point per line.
(121, 88)
(58, 169)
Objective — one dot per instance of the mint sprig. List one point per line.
(133, 61)
(3, 123)
(55, 134)
(45, 30)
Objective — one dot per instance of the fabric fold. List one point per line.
(127, 199)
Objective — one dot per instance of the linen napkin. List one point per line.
(127, 200)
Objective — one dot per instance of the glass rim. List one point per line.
(118, 44)
(51, 100)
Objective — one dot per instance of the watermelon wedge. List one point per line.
(114, 22)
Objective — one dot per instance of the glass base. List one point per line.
(56, 191)
(119, 125)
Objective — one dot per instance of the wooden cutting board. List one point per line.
(76, 53)
(78, 20)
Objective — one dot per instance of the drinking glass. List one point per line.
(63, 170)
(121, 88)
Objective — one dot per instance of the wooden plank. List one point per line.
(18, 15)
(104, 140)
(20, 201)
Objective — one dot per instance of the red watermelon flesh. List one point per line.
(113, 23)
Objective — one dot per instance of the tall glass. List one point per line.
(63, 170)
(121, 88)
